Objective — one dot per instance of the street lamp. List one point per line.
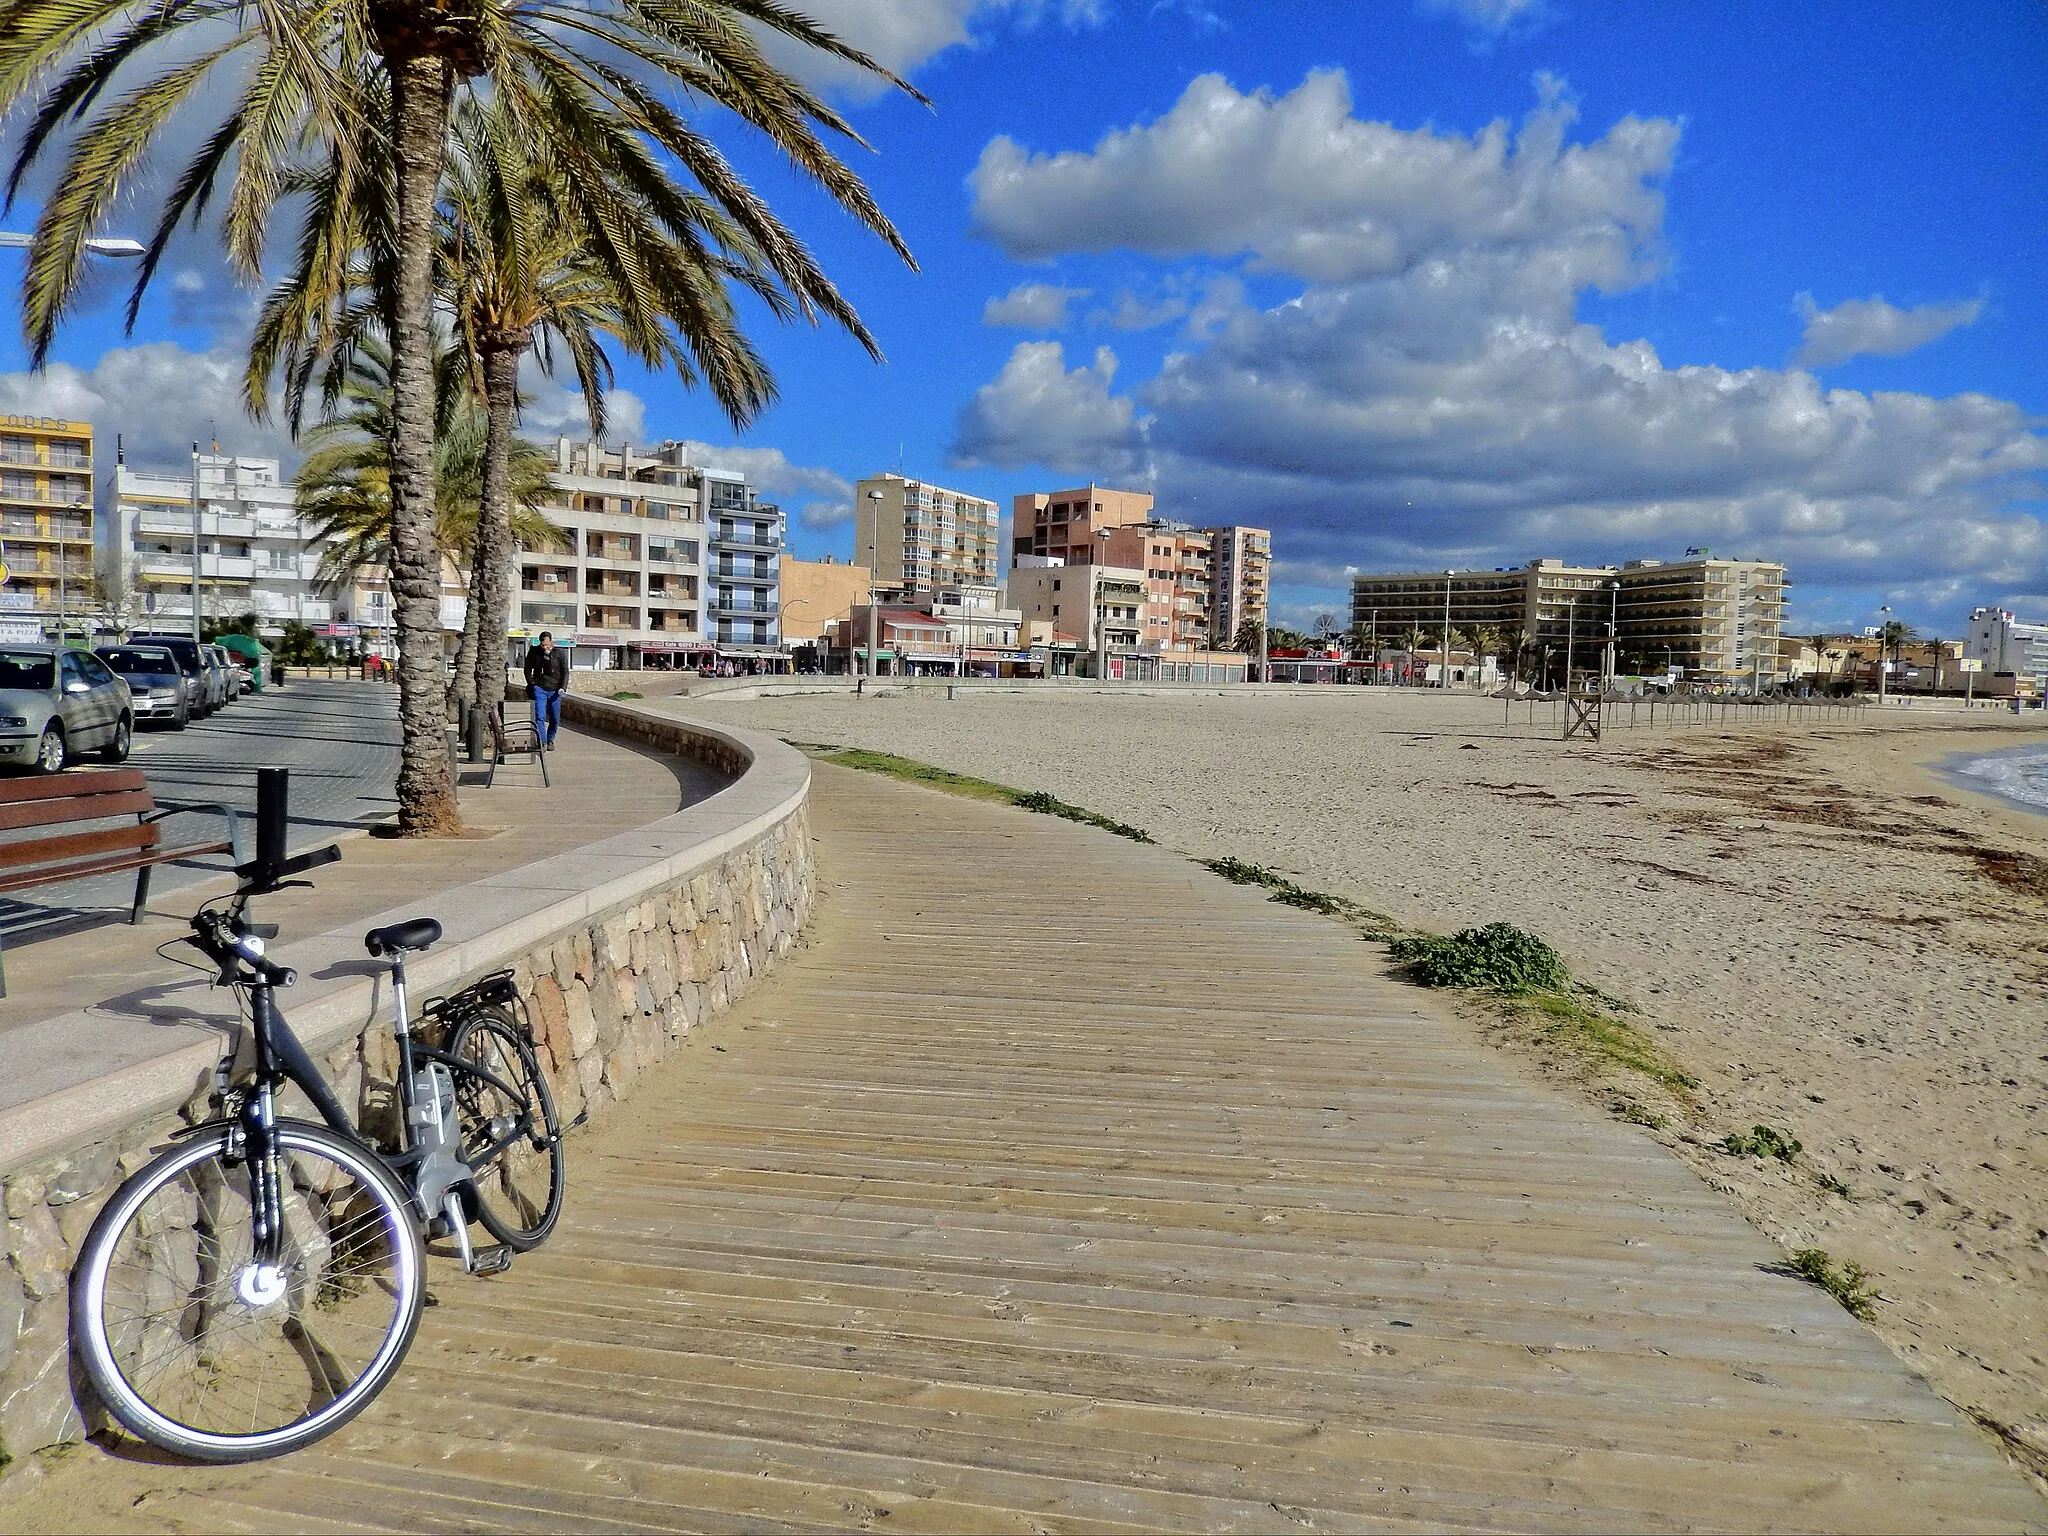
(1613, 629)
(1444, 676)
(1882, 626)
(99, 245)
(1571, 622)
(874, 597)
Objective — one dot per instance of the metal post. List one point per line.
(1880, 652)
(874, 631)
(195, 543)
(1445, 678)
(273, 803)
(1571, 624)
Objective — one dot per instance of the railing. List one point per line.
(44, 498)
(737, 540)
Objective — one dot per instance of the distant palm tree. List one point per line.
(344, 483)
(1413, 639)
(1485, 642)
(1246, 640)
(366, 86)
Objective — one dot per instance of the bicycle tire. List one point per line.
(517, 1188)
(164, 1314)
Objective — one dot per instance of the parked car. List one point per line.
(222, 681)
(56, 703)
(198, 680)
(243, 679)
(156, 688)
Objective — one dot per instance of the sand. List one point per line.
(1832, 941)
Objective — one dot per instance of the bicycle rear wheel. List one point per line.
(510, 1137)
(197, 1348)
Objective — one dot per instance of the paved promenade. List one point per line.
(1056, 1185)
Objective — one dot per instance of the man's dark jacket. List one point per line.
(547, 669)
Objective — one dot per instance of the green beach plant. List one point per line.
(1847, 1282)
(1498, 956)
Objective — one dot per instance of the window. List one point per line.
(1055, 583)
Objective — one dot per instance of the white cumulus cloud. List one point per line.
(1429, 394)
(1040, 411)
(1304, 187)
(159, 397)
(1486, 18)
(1032, 307)
(823, 497)
(1871, 327)
(902, 35)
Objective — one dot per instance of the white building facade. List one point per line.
(2006, 643)
(253, 552)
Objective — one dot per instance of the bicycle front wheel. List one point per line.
(510, 1137)
(196, 1347)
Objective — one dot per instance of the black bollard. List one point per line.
(273, 815)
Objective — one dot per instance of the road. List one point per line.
(339, 739)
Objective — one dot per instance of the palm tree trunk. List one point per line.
(426, 799)
(494, 526)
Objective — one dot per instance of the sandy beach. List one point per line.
(1834, 941)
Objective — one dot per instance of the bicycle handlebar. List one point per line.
(263, 876)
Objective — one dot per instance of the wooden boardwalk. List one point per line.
(1057, 1185)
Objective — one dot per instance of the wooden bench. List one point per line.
(53, 855)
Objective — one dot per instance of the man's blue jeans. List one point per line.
(547, 713)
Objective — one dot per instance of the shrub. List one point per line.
(1846, 1283)
(1500, 956)
(1761, 1141)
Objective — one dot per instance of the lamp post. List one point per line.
(1444, 674)
(1882, 625)
(1571, 621)
(195, 543)
(1613, 630)
(874, 599)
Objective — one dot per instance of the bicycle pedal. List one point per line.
(491, 1261)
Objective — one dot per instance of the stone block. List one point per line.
(690, 998)
(13, 1313)
(586, 960)
(36, 1406)
(550, 1014)
(24, 1194)
(41, 1256)
(81, 1174)
(582, 1023)
(590, 1081)
(562, 961)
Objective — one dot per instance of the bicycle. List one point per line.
(255, 1286)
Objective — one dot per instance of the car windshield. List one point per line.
(27, 669)
(139, 663)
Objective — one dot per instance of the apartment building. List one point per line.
(1717, 620)
(46, 526)
(1178, 566)
(1241, 563)
(2006, 643)
(662, 562)
(1092, 605)
(1065, 525)
(254, 554)
(917, 536)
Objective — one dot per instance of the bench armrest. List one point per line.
(179, 808)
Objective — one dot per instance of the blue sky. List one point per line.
(1460, 281)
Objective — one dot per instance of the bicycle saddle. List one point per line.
(415, 933)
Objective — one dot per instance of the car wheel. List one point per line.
(116, 751)
(51, 753)
(182, 718)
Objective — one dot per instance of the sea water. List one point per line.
(2019, 774)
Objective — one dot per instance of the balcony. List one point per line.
(62, 496)
(596, 585)
(736, 538)
(168, 524)
(728, 604)
(727, 571)
(216, 567)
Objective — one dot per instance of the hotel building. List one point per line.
(1717, 620)
(915, 536)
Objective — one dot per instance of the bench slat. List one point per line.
(51, 850)
(47, 813)
(58, 786)
(110, 864)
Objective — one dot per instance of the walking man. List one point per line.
(547, 674)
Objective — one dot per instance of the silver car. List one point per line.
(158, 690)
(56, 704)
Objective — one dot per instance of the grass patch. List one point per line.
(1761, 1141)
(1044, 804)
(1373, 925)
(1529, 982)
(627, 693)
(913, 772)
(1848, 1283)
(1835, 1186)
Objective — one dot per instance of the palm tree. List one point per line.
(1485, 641)
(366, 87)
(344, 483)
(520, 277)
(1413, 640)
(1246, 639)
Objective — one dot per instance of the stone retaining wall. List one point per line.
(610, 993)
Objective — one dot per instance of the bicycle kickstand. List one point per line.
(493, 1260)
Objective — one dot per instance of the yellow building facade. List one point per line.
(46, 532)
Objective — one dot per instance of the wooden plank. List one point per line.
(56, 786)
(51, 811)
(71, 845)
(114, 865)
